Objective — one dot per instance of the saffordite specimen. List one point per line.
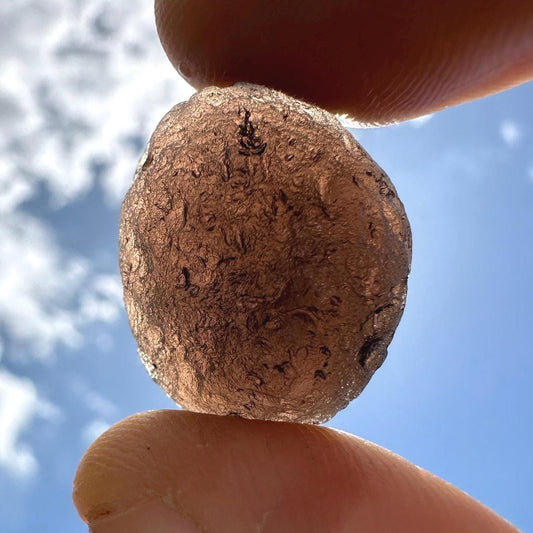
(264, 257)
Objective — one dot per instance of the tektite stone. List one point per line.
(264, 257)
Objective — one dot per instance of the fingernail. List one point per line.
(153, 517)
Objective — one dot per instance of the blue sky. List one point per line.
(83, 85)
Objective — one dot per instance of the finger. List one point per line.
(181, 471)
(378, 60)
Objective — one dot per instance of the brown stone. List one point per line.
(264, 257)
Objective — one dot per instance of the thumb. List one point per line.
(176, 471)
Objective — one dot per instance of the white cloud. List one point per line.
(103, 302)
(36, 283)
(530, 172)
(48, 297)
(93, 430)
(12, 192)
(83, 85)
(510, 132)
(19, 405)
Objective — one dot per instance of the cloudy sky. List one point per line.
(83, 85)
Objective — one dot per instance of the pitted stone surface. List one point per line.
(264, 257)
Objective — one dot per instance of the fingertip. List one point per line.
(227, 474)
(222, 473)
(118, 470)
(377, 62)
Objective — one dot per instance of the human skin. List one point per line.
(168, 471)
(378, 61)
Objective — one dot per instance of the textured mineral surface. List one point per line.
(264, 257)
